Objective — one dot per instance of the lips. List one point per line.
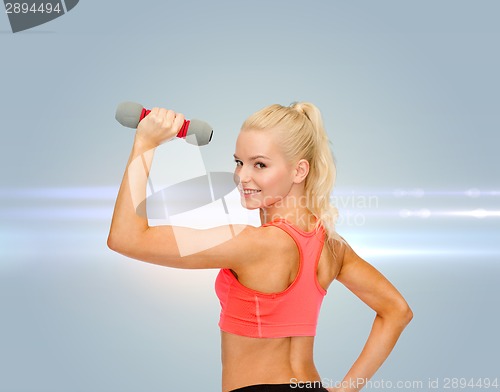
(248, 191)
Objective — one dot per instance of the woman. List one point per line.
(273, 277)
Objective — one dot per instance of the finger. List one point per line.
(153, 115)
(162, 114)
(168, 119)
(178, 121)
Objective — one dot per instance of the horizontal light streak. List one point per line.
(427, 252)
(96, 204)
(426, 213)
(100, 213)
(479, 213)
(73, 193)
(110, 192)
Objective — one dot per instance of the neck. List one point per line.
(292, 210)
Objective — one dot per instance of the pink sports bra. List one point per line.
(292, 312)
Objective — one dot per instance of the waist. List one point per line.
(251, 361)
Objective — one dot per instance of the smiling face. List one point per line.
(262, 173)
(285, 164)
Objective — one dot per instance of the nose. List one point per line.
(241, 176)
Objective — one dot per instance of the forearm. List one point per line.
(382, 338)
(128, 221)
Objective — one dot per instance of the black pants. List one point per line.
(280, 388)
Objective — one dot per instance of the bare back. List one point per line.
(249, 361)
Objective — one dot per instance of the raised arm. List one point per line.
(392, 315)
(179, 247)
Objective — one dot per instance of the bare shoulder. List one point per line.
(351, 263)
(339, 248)
(265, 242)
(266, 245)
(330, 261)
(264, 237)
(272, 261)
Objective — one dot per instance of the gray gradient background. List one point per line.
(410, 97)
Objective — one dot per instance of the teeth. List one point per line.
(247, 192)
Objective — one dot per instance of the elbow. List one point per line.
(112, 242)
(128, 245)
(400, 314)
(406, 315)
(115, 243)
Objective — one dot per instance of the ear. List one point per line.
(301, 171)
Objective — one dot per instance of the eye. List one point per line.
(238, 162)
(260, 165)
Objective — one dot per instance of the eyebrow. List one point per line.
(254, 157)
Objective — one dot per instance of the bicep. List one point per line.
(188, 248)
(369, 285)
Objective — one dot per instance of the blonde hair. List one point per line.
(302, 136)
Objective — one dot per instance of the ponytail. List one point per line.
(322, 173)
